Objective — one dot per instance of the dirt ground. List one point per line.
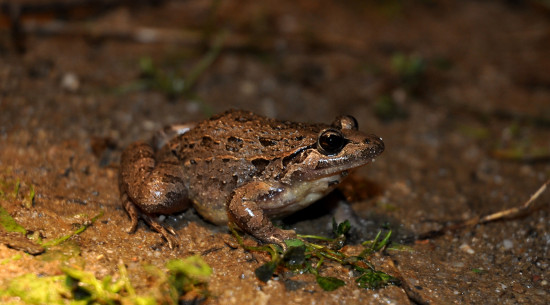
(458, 90)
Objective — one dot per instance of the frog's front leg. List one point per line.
(244, 210)
(148, 187)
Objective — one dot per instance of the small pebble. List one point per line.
(458, 264)
(70, 82)
(507, 244)
(466, 248)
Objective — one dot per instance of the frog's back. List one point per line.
(241, 134)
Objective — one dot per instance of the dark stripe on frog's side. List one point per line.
(298, 156)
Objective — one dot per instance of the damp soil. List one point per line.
(458, 90)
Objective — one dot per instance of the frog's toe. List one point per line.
(171, 230)
(279, 236)
(133, 227)
(172, 243)
(167, 233)
(132, 211)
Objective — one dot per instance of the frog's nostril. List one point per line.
(375, 142)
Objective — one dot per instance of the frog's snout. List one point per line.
(376, 143)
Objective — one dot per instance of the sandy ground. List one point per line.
(459, 90)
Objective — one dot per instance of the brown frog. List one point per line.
(242, 168)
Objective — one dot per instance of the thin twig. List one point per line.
(527, 207)
(517, 211)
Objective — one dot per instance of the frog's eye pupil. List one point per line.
(331, 141)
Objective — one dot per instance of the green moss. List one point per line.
(9, 224)
(62, 252)
(77, 286)
(38, 290)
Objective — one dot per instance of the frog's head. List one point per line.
(339, 148)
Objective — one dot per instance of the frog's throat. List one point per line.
(299, 195)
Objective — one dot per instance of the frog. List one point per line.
(240, 169)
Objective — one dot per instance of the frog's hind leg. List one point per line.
(148, 187)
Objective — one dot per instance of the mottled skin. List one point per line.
(241, 168)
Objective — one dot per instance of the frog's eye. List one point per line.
(345, 122)
(330, 141)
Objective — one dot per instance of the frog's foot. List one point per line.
(278, 237)
(167, 233)
(135, 214)
(149, 188)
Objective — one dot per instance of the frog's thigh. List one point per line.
(244, 211)
(151, 186)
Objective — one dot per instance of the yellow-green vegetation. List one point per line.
(522, 154)
(9, 224)
(62, 252)
(302, 256)
(478, 271)
(76, 286)
(63, 238)
(15, 193)
(10, 189)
